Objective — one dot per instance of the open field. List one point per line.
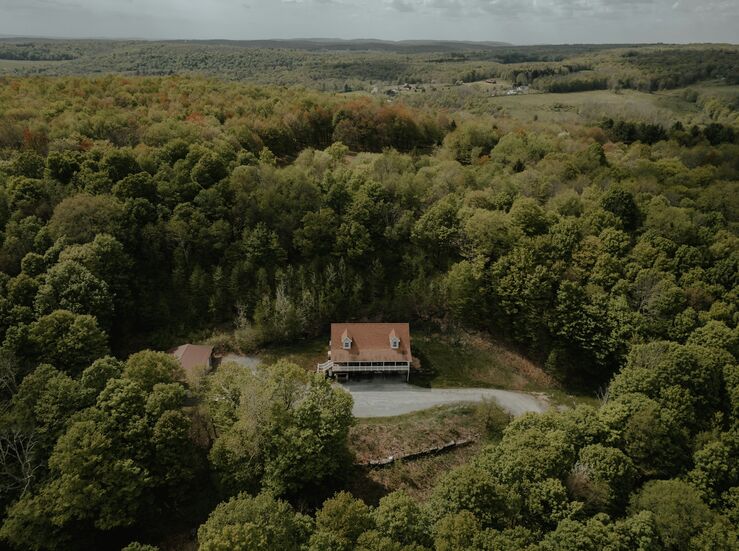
(592, 106)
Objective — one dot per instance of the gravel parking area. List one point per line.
(387, 398)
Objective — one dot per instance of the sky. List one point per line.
(515, 21)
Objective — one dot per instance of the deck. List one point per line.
(334, 369)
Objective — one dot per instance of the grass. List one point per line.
(596, 104)
(305, 353)
(417, 477)
(379, 438)
(473, 361)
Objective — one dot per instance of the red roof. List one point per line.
(370, 342)
(191, 356)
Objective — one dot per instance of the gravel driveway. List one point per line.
(374, 398)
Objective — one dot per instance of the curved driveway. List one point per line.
(373, 398)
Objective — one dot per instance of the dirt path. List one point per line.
(388, 398)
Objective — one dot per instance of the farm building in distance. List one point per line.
(368, 348)
(193, 356)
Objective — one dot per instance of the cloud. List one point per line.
(533, 21)
(557, 8)
(403, 6)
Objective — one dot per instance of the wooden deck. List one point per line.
(332, 369)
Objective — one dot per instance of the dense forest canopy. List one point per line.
(138, 210)
(334, 65)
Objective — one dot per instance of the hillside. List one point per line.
(540, 228)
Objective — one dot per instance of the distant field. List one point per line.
(592, 105)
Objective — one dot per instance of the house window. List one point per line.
(347, 344)
(394, 343)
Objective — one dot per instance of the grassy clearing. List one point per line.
(594, 105)
(377, 438)
(417, 477)
(473, 361)
(305, 353)
(381, 437)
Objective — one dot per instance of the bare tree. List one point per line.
(17, 465)
(8, 383)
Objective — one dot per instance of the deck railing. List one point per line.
(325, 366)
(368, 368)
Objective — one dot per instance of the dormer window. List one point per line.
(394, 340)
(346, 341)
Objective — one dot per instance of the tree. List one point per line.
(126, 460)
(290, 434)
(602, 478)
(66, 340)
(401, 518)
(341, 520)
(456, 531)
(209, 169)
(43, 404)
(119, 163)
(679, 512)
(714, 472)
(528, 216)
(70, 286)
(621, 203)
(438, 229)
(81, 217)
(470, 141)
(647, 434)
(246, 523)
(102, 370)
(474, 490)
(149, 368)
(489, 234)
(716, 334)
(140, 185)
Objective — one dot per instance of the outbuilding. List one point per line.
(194, 357)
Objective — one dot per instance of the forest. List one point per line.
(139, 210)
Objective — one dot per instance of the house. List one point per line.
(368, 348)
(192, 357)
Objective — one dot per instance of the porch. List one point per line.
(342, 370)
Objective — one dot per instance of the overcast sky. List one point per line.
(516, 21)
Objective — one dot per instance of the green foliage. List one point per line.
(287, 430)
(679, 513)
(602, 478)
(470, 141)
(136, 546)
(127, 457)
(258, 523)
(456, 531)
(66, 340)
(402, 519)
(341, 520)
(473, 490)
(135, 211)
(149, 368)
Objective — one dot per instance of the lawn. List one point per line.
(306, 353)
(470, 360)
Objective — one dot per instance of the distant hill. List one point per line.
(362, 44)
